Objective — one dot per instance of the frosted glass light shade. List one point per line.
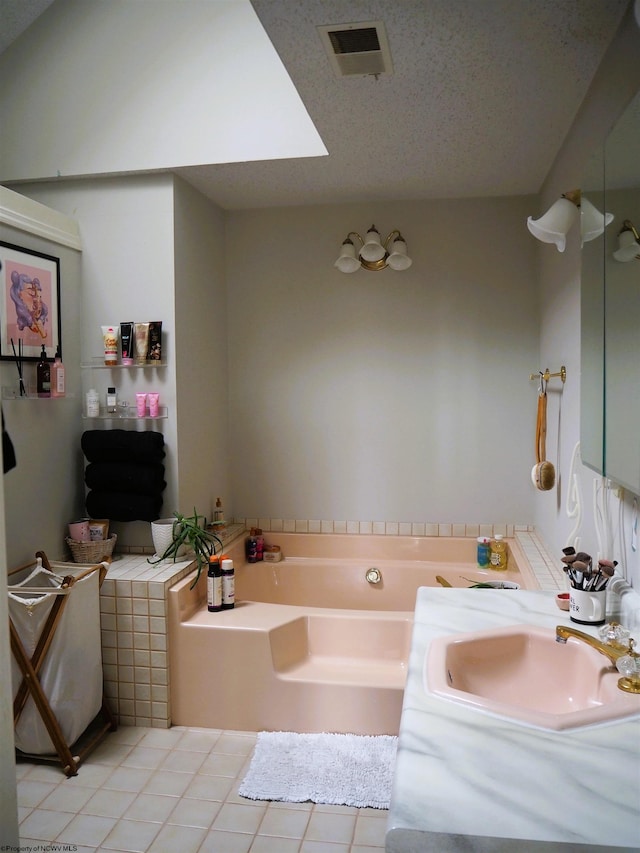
(554, 226)
(398, 259)
(628, 247)
(347, 260)
(592, 221)
(372, 250)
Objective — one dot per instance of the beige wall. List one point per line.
(615, 84)
(153, 249)
(201, 352)
(398, 396)
(46, 485)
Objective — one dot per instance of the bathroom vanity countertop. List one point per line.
(468, 781)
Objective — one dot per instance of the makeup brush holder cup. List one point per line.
(588, 607)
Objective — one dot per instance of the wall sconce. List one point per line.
(374, 254)
(556, 223)
(628, 243)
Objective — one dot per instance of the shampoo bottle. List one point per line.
(43, 375)
(58, 387)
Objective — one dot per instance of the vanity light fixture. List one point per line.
(556, 223)
(628, 243)
(373, 253)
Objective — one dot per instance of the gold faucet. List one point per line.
(611, 650)
(626, 661)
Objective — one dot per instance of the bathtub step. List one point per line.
(355, 671)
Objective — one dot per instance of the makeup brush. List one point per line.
(578, 568)
(608, 569)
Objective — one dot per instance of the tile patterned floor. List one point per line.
(162, 790)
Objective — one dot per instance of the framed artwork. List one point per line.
(30, 303)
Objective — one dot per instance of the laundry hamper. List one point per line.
(56, 667)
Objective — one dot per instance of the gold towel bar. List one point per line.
(562, 373)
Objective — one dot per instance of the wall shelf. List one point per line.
(129, 416)
(9, 393)
(97, 363)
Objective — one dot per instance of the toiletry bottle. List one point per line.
(498, 552)
(484, 552)
(43, 375)
(58, 387)
(218, 515)
(110, 336)
(112, 400)
(93, 404)
(214, 585)
(259, 545)
(228, 584)
(251, 546)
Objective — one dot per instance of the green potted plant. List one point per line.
(189, 531)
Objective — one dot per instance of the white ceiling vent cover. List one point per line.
(357, 49)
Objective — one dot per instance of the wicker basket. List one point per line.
(92, 552)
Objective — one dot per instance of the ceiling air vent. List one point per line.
(357, 50)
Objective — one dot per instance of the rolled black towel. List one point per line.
(120, 506)
(125, 477)
(122, 445)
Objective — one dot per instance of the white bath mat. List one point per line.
(341, 770)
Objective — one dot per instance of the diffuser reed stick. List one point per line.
(18, 359)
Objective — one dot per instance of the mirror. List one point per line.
(592, 327)
(622, 305)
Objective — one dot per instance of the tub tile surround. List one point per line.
(134, 613)
(133, 621)
(380, 528)
(501, 785)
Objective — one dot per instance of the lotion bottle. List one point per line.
(58, 387)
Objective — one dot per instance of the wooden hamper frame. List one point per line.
(70, 756)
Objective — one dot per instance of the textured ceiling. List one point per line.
(482, 96)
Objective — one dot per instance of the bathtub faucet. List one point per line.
(373, 575)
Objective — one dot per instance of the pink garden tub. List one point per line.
(318, 641)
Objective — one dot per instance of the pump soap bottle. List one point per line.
(43, 375)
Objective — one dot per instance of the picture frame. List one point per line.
(29, 303)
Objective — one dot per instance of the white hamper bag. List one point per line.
(71, 674)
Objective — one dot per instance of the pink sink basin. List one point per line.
(522, 673)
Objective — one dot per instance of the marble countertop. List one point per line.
(468, 781)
